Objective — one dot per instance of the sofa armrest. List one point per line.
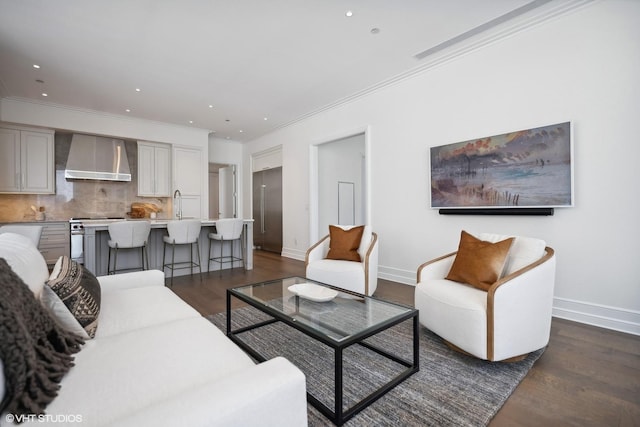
(271, 394)
(436, 268)
(318, 251)
(371, 265)
(136, 279)
(520, 308)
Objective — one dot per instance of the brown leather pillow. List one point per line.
(479, 263)
(344, 244)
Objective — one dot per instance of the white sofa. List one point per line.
(155, 361)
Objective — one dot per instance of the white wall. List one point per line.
(224, 151)
(582, 67)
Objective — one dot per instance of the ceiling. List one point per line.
(240, 68)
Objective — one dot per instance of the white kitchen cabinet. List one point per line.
(154, 169)
(27, 161)
(187, 177)
(268, 159)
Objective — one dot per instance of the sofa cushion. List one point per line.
(343, 274)
(25, 260)
(344, 243)
(479, 263)
(121, 374)
(457, 312)
(124, 310)
(59, 311)
(79, 290)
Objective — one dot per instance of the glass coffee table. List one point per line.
(334, 317)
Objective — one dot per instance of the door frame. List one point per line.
(216, 166)
(314, 179)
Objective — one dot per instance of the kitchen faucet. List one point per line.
(178, 194)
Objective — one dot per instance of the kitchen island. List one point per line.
(96, 249)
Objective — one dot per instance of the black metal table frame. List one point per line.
(339, 415)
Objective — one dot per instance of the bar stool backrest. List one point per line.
(129, 234)
(184, 230)
(228, 229)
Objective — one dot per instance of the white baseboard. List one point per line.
(294, 253)
(617, 319)
(406, 277)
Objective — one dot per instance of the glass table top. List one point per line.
(337, 318)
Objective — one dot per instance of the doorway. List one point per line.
(339, 183)
(223, 193)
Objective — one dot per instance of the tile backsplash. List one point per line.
(80, 198)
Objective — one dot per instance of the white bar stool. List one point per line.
(182, 232)
(227, 229)
(128, 235)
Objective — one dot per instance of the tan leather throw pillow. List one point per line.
(344, 244)
(479, 263)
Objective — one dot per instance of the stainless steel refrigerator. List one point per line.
(267, 210)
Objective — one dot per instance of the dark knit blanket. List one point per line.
(35, 351)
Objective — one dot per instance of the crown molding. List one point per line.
(545, 12)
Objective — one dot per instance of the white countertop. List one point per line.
(155, 223)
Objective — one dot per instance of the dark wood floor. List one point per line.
(588, 376)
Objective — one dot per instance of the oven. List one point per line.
(76, 227)
(77, 239)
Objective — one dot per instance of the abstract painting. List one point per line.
(527, 168)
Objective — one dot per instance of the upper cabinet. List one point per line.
(27, 161)
(154, 169)
(187, 177)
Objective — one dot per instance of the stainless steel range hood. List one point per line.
(97, 158)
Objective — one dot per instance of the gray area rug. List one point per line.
(450, 389)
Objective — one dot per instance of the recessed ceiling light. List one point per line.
(45, 94)
(266, 118)
(191, 121)
(240, 131)
(348, 14)
(375, 30)
(128, 110)
(36, 66)
(137, 89)
(39, 81)
(210, 106)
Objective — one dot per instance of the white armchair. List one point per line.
(505, 323)
(360, 277)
